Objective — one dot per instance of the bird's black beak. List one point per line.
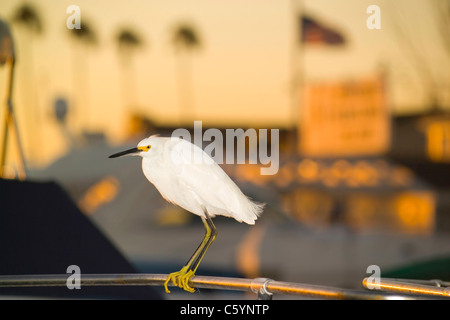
(124, 153)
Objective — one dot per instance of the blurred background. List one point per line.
(363, 115)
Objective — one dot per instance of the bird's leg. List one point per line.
(209, 225)
(175, 277)
(210, 236)
(182, 277)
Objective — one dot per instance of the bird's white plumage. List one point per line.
(186, 176)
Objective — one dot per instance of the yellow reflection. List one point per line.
(308, 169)
(365, 174)
(251, 173)
(438, 141)
(171, 215)
(341, 169)
(99, 194)
(247, 255)
(415, 211)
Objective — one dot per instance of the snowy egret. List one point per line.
(187, 176)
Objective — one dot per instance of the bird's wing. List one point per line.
(203, 178)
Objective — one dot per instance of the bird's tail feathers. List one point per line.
(253, 211)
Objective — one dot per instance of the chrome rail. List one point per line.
(265, 288)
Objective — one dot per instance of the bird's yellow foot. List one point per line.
(180, 279)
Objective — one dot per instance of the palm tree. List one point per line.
(85, 34)
(27, 18)
(83, 40)
(128, 42)
(185, 40)
(26, 15)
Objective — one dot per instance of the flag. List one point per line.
(313, 32)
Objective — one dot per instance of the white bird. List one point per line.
(187, 176)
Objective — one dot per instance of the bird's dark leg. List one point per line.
(211, 229)
(200, 247)
(182, 277)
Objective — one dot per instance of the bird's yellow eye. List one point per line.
(145, 148)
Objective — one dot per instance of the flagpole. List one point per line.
(296, 70)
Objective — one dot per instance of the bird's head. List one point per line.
(142, 148)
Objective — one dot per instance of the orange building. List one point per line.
(345, 119)
(348, 170)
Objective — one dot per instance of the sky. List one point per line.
(241, 74)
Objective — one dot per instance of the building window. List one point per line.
(438, 141)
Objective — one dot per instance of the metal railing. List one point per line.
(265, 288)
(437, 288)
